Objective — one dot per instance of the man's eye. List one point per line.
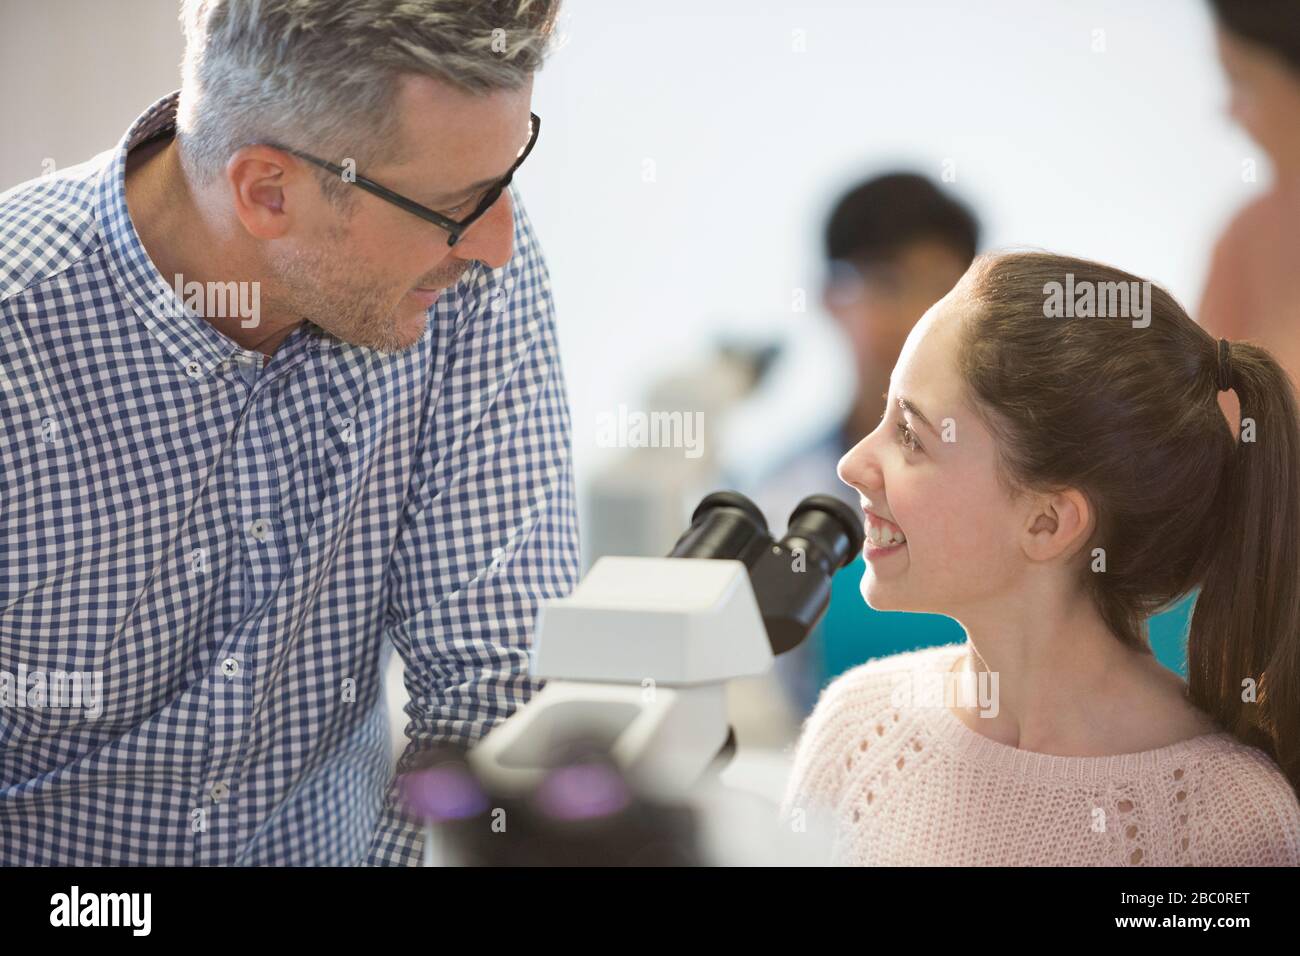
(907, 437)
(466, 207)
(463, 206)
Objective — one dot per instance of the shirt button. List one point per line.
(194, 370)
(258, 529)
(230, 667)
(220, 792)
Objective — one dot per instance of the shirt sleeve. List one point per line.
(490, 530)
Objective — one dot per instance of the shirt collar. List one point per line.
(195, 344)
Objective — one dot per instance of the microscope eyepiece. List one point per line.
(828, 531)
(725, 525)
(791, 579)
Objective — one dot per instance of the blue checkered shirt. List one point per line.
(237, 549)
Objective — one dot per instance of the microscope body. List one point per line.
(636, 661)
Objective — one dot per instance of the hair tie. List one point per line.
(1225, 366)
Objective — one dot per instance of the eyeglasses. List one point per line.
(455, 229)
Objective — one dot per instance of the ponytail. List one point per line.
(1245, 629)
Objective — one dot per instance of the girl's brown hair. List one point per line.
(1128, 414)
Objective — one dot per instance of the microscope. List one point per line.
(636, 660)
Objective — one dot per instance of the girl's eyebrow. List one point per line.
(907, 406)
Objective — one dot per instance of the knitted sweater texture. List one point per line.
(902, 781)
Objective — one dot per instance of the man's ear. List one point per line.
(261, 180)
(1058, 524)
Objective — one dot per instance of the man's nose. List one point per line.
(491, 239)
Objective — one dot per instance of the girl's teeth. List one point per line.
(883, 537)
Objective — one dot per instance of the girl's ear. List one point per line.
(1058, 524)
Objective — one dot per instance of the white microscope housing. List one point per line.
(635, 660)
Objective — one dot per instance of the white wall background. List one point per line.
(75, 73)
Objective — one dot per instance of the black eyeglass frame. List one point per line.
(454, 229)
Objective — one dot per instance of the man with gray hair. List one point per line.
(281, 390)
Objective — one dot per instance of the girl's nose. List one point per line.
(859, 467)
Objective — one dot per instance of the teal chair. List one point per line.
(852, 632)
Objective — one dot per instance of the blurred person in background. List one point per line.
(1253, 289)
(894, 245)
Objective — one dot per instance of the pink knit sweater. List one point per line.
(904, 783)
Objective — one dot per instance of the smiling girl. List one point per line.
(1050, 483)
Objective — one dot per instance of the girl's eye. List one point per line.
(907, 437)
